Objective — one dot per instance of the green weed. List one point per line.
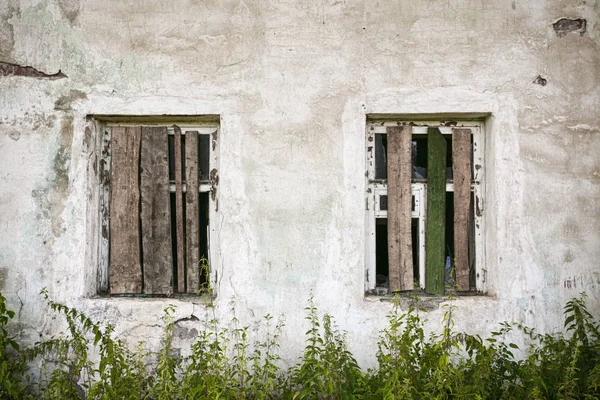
(89, 361)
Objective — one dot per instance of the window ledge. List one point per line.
(191, 298)
(422, 300)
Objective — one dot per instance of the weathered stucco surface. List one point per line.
(293, 82)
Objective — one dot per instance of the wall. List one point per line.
(293, 83)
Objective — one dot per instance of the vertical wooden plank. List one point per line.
(436, 212)
(104, 165)
(461, 166)
(399, 165)
(156, 227)
(192, 218)
(179, 212)
(125, 266)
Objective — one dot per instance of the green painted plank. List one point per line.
(436, 212)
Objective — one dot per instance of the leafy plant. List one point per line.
(89, 361)
(327, 369)
(11, 368)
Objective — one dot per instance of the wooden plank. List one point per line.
(104, 164)
(399, 166)
(155, 211)
(192, 218)
(436, 212)
(179, 212)
(125, 267)
(461, 169)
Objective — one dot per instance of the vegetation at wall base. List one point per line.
(89, 361)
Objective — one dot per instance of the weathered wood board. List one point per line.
(155, 211)
(435, 242)
(461, 165)
(125, 270)
(191, 212)
(180, 245)
(399, 167)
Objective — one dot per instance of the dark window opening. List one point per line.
(203, 155)
(383, 202)
(449, 276)
(472, 251)
(415, 249)
(381, 253)
(171, 145)
(419, 157)
(204, 277)
(380, 156)
(173, 238)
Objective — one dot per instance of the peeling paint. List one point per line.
(9, 69)
(564, 25)
(64, 102)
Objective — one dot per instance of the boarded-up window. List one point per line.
(424, 186)
(157, 196)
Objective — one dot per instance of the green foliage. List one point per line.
(11, 368)
(88, 361)
(327, 369)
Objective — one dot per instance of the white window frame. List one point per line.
(378, 187)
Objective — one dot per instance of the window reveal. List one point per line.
(157, 201)
(422, 184)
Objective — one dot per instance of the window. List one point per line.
(424, 220)
(158, 197)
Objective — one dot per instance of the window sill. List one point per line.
(184, 298)
(422, 300)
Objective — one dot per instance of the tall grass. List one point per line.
(223, 364)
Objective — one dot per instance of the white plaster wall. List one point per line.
(293, 82)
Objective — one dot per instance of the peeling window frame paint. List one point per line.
(378, 187)
(103, 128)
